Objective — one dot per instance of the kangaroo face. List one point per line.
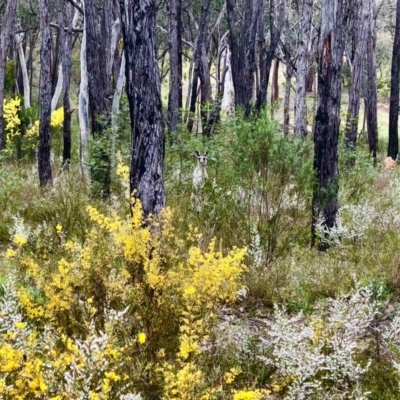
(201, 158)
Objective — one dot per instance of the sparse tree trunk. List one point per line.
(175, 59)
(356, 75)
(300, 125)
(372, 95)
(143, 89)
(327, 120)
(66, 50)
(393, 147)
(58, 89)
(45, 96)
(310, 80)
(7, 27)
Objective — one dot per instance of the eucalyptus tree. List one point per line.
(393, 146)
(66, 50)
(305, 19)
(98, 28)
(143, 89)
(334, 23)
(7, 27)
(44, 165)
(175, 57)
(359, 32)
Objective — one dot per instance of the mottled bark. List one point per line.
(143, 89)
(359, 48)
(175, 59)
(7, 27)
(393, 147)
(372, 94)
(45, 96)
(66, 50)
(300, 124)
(334, 16)
(275, 83)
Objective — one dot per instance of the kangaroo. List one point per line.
(199, 178)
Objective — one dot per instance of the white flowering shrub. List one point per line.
(319, 357)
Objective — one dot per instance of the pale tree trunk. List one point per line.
(5, 36)
(84, 109)
(393, 147)
(300, 124)
(58, 89)
(372, 95)
(45, 96)
(143, 89)
(175, 72)
(286, 103)
(228, 100)
(334, 16)
(115, 111)
(65, 73)
(24, 70)
(356, 75)
(115, 31)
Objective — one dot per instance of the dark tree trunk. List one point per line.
(45, 96)
(175, 59)
(327, 120)
(300, 124)
(275, 83)
(266, 56)
(242, 45)
(66, 49)
(143, 88)
(100, 92)
(359, 48)
(372, 95)
(393, 148)
(310, 80)
(201, 70)
(6, 32)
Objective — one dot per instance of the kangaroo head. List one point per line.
(201, 158)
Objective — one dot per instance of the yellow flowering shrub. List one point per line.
(127, 310)
(17, 133)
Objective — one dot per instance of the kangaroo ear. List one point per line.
(206, 154)
(196, 153)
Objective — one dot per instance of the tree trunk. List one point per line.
(175, 59)
(310, 80)
(275, 83)
(359, 48)
(84, 109)
(24, 70)
(58, 88)
(372, 95)
(45, 96)
(143, 89)
(6, 32)
(393, 148)
(242, 45)
(300, 124)
(100, 91)
(327, 120)
(201, 70)
(66, 50)
(286, 103)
